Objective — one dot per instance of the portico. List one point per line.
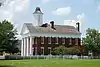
(26, 47)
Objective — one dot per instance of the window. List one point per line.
(35, 50)
(76, 41)
(56, 40)
(70, 41)
(42, 50)
(42, 40)
(49, 50)
(35, 40)
(49, 40)
(63, 40)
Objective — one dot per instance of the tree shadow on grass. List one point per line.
(6, 66)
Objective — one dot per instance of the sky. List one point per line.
(63, 12)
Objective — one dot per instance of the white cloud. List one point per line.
(12, 8)
(70, 22)
(98, 8)
(73, 23)
(45, 1)
(9, 9)
(81, 17)
(62, 11)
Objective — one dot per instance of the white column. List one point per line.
(22, 48)
(31, 45)
(27, 46)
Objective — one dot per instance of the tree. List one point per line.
(60, 50)
(92, 41)
(8, 41)
(72, 50)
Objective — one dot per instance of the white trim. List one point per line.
(63, 40)
(42, 49)
(35, 40)
(49, 40)
(56, 40)
(42, 40)
(22, 48)
(70, 41)
(24, 30)
(76, 40)
(57, 35)
(35, 50)
(49, 49)
(27, 46)
(31, 45)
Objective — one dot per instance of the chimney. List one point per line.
(52, 24)
(78, 26)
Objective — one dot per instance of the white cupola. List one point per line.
(38, 17)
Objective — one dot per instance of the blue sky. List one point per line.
(61, 11)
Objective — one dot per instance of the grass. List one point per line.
(50, 63)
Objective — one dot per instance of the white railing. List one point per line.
(52, 57)
(60, 57)
(2, 57)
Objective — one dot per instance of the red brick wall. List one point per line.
(53, 43)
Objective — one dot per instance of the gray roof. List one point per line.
(66, 29)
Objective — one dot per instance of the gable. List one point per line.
(24, 30)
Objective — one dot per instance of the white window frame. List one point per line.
(56, 40)
(35, 50)
(70, 41)
(49, 40)
(43, 50)
(42, 42)
(49, 49)
(63, 40)
(35, 40)
(76, 41)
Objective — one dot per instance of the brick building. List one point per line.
(40, 39)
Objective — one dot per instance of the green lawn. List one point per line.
(50, 63)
